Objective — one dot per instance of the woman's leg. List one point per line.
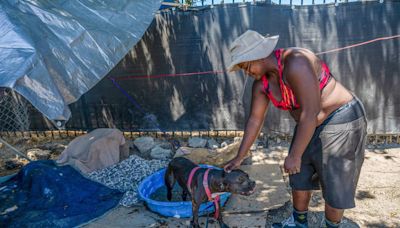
(298, 218)
(301, 200)
(343, 141)
(333, 214)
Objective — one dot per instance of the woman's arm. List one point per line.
(259, 105)
(304, 83)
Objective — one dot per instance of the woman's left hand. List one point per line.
(292, 164)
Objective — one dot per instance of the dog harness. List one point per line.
(192, 172)
(206, 188)
(288, 101)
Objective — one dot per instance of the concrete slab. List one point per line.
(270, 190)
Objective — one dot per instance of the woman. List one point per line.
(328, 143)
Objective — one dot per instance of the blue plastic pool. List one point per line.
(181, 209)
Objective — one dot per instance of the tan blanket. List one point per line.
(96, 150)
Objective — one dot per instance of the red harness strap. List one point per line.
(189, 183)
(206, 188)
(209, 195)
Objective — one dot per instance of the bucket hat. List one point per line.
(250, 46)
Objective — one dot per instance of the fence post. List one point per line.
(84, 112)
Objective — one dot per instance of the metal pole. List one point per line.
(14, 149)
(84, 112)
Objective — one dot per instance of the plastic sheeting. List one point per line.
(43, 194)
(53, 51)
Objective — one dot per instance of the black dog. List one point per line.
(237, 182)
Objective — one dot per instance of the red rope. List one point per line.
(359, 44)
(221, 72)
(168, 75)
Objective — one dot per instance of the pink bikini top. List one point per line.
(288, 101)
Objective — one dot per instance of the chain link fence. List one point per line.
(14, 115)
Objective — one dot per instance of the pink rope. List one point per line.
(359, 44)
(221, 72)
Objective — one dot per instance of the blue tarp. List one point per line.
(43, 194)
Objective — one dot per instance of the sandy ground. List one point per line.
(377, 198)
(378, 194)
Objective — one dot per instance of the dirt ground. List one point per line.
(10, 163)
(377, 197)
(377, 200)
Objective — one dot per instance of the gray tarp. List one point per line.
(53, 51)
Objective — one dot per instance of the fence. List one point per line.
(105, 106)
(14, 115)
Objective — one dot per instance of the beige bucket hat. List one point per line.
(250, 46)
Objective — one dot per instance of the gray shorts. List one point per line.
(334, 156)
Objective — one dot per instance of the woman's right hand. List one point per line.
(233, 164)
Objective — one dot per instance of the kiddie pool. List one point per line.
(182, 209)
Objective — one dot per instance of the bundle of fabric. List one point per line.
(98, 149)
(43, 194)
(126, 176)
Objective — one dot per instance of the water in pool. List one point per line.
(161, 194)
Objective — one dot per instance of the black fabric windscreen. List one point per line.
(175, 78)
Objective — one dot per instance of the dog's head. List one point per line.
(238, 182)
